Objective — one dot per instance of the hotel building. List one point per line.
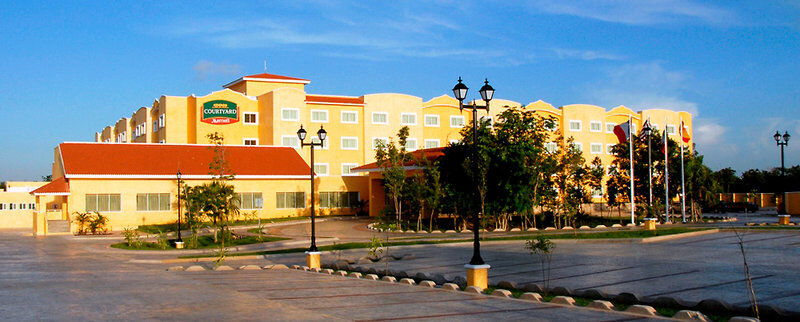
(267, 110)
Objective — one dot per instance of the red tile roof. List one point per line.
(334, 99)
(59, 186)
(429, 154)
(273, 76)
(165, 160)
(268, 77)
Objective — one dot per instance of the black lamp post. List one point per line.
(487, 92)
(179, 207)
(782, 143)
(321, 134)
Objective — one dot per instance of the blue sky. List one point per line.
(70, 68)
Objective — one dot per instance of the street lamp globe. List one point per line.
(460, 90)
(786, 137)
(321, 134)
(487, 91)
(301, 133)
(777, 137)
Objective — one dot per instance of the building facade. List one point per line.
(268, 109)
(136, 184)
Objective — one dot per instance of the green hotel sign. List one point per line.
(220, 112)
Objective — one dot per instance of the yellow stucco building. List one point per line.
(268, 109)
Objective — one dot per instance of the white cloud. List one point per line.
(641, 12)
(562, 53)
(204, 69)
(643, 86)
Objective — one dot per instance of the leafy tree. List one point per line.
(570, 181)
(521, 166)
(392, 159)
(727, 179)
(621, 177)
(542, 247)
(702, 187)
(47, 178)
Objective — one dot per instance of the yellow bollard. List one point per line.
(478, 275)
(313, 259)
(650, 224)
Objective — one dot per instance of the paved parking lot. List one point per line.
(694, 268)
(61, 278)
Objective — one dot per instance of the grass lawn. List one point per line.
(204, 242)
(576, 235)
(154, 229)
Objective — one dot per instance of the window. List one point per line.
(152, 201)
(31, 206)
(431, 120)
(670, 129)
(411, 144)
(377, 141)
(596, 148)
(319, 116)
(290, 141)
(654, 126)
(250, 141)
(431, 143)
(285, 200)
(155, 125)
(102, 202)
(597, 193)
(380, 118)
(161, 121)
(574, 125)
(321, 169)
(12, 206)
(610, 127)
(408, 119)
(325, 144)
(595, 126)
(551, 147)
(349, 143)
(456, 121)
(350, 117)
(347, 169)
(2, 206)
(22, 206)
(250, 200)
(290, 114)
(338, 199)
(610, 149)
(577, 146)
(250, 118)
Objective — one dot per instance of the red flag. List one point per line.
(623, 131)
(685, 133)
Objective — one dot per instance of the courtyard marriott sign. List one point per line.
(220, 112)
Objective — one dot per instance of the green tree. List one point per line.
(392, 160)
(702, 187)
(520, 168)
(47, 178)
(570, 181)
(621, 177)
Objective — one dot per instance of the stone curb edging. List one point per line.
(371, 226)
(445, 282)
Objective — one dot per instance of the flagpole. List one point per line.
(630, 148)
(650, 165)
(666, 169)
(683, 180)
